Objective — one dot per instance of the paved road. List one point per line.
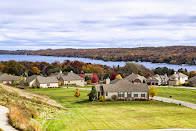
(183, 103)
(4, 124)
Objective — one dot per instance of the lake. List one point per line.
(51, 59)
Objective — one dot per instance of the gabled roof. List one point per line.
(179, 75)
(132, 77)
(57, 74)
(192, 79)
(43, 80)
(159, 77)
(6, 77)
(31, 78)
(123, 86)
(115, 81)
(71, 76)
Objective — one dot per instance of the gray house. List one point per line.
(123, 89)
(71, 79)
(158, 80)
(192, 81)
(5, 78)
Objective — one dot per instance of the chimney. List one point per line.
(108, 80)
(71, 71)
(174, 72)
(61, 72)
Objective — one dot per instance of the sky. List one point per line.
(43, 24)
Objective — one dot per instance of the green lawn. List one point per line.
(88, 86)
(85, 115)
(178, 93)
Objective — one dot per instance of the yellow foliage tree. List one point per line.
(118, 76)
(35, 70)
(77, 94)
(153, 92)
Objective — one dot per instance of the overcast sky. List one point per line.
(41, 24)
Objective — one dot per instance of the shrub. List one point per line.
(101, 98)
(108, 99)
(35, 86)
(114, 97)
(140, 99)
(120, 99)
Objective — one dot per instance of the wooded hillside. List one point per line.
(172, 54)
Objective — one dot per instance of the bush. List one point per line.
(114, 97)
(101, 98)
(35, 86)
(108, 99)
(140, 99)
(120, 99)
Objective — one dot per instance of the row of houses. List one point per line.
(54, 80)
(175, 79)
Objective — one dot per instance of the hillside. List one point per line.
(28, 111)
(171, 54)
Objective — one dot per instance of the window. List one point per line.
(106, 94)
(128, 94)
(81, 80)
(143, 95)
(48, 84)
(68, 81)
(135, 95)
(120, 94)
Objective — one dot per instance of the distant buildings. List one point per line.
(5, 78)
(192, 81)
(135, 78)
(158, 80)
(177, 78)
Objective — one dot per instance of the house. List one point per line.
(45, 82)
(71, 79)
(135, 78)
(158, 80)
(177, 78)
(5, 78)
(192, 81)
(41, 82)
(124, 89)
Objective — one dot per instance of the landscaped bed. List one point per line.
(86, 115)
(188, 95)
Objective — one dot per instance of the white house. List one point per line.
(5, 78)
(71, 79)
(177, 78)
(124, 89)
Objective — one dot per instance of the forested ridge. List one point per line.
(171, 54)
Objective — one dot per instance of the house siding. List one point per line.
(74, 82)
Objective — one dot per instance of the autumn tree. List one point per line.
(94, 78)
(153, 92)
(118, 76)
(77, 93)
(113, 75)
(81, 75)
(35, 70)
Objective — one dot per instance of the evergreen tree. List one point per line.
(93, 94)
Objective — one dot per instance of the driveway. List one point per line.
(183, 103)
(4, 124)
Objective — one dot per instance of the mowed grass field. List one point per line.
(86, 115)
(188, 95)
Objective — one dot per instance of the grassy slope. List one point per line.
(116, 115)
(26, 112)
(178, 93)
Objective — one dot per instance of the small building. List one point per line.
(192, 81)
(177, 78)
(71, 79)
(5, 78)
(135, 78)
(124, 89)
(158, 80)
(45, 82)
(41, 82)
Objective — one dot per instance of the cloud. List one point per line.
(35, 24)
